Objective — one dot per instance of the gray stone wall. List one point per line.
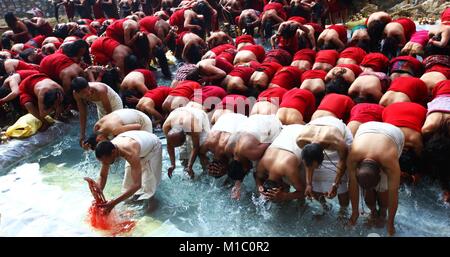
(19, 7)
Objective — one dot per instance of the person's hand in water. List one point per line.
(170, 171)
(308, 192)
(236, 190)
(275, 194)
(107, 207)
(45, 126)
(332, 193)
(190, 172)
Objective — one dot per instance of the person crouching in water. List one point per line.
(142, 152)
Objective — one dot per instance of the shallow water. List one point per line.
(44, 194)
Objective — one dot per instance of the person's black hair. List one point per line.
(162, 61)
(131, 63)
(236, 170)
(78, 84)
(203, 9)
(91, 141)
(365, 99)
(104, 148)
(376, 29)
(10, 18)
(289, 31)
(431, 49)
(312, 152)
(71, 49)
(194, 54)
(143, 46)
(193, 75)
(297, 10)
(2, 68)
(101, 30)
(171, 42)
(129, 93)
(389, 47)
(26, 53)
(111, 77)
(50, 97)
(364, 44)
(270, 184)
(6, 42)
(329, 46)
(410, 162)
(303, 43)
(337, 85)
(267, 28)
(4, 91)
(319, 96)
(436, 151)
(368, 174)
(61, 31)
(199, 22)
(249, 29)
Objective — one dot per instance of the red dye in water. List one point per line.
(110, 223)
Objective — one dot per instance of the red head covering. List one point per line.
(366, 112)
(409, 115)
(185, 88)
(257, 50)
(377, 61)
(339, 105)
(327, 56)
(288, 77)
(354, 53)
(442, 88)
(298, 19)
(273, 95)
(305, 55)
(300, 99)
(245, 39)
(314, 74)
(353, 67)
(414, 88)
(219, 49)
(269, 68)
(409, 27)
(407, 64)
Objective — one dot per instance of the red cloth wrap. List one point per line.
(258, 50)
(177, 19)
(366, 112)
(273, 95)
(54, 64)
(158, 95)
(26, 73)
(414, 88)
(441, 88)
(301, 100)
(341, 30)
(377, 61)
(288, 77)
(281, 56)
(147, 24)
(116, 31)
(298, 19)
(150, 81)
(103, 49)
(185, 89)
(277, 7)
(224, 65)
(305, 55)
(228, 55)
(314, 74)
(327, 56)
(445, 16)
(353, 67)
(354, 53)
(242, 72)
(408, 25)
(339, 105)
(211, 91)
(440, 68)
(245, 39)
(232, 102)
(219, 49)
(26, 66)
(269, 68)
(409, 115)
(26, 88)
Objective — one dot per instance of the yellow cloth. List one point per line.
(26, 126)
(352, 24)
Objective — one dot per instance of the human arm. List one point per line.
(353, 189)
(14, 86)
(103, 176)
(23, 28)
(170, 148)
(83, 116)
(393, 174)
